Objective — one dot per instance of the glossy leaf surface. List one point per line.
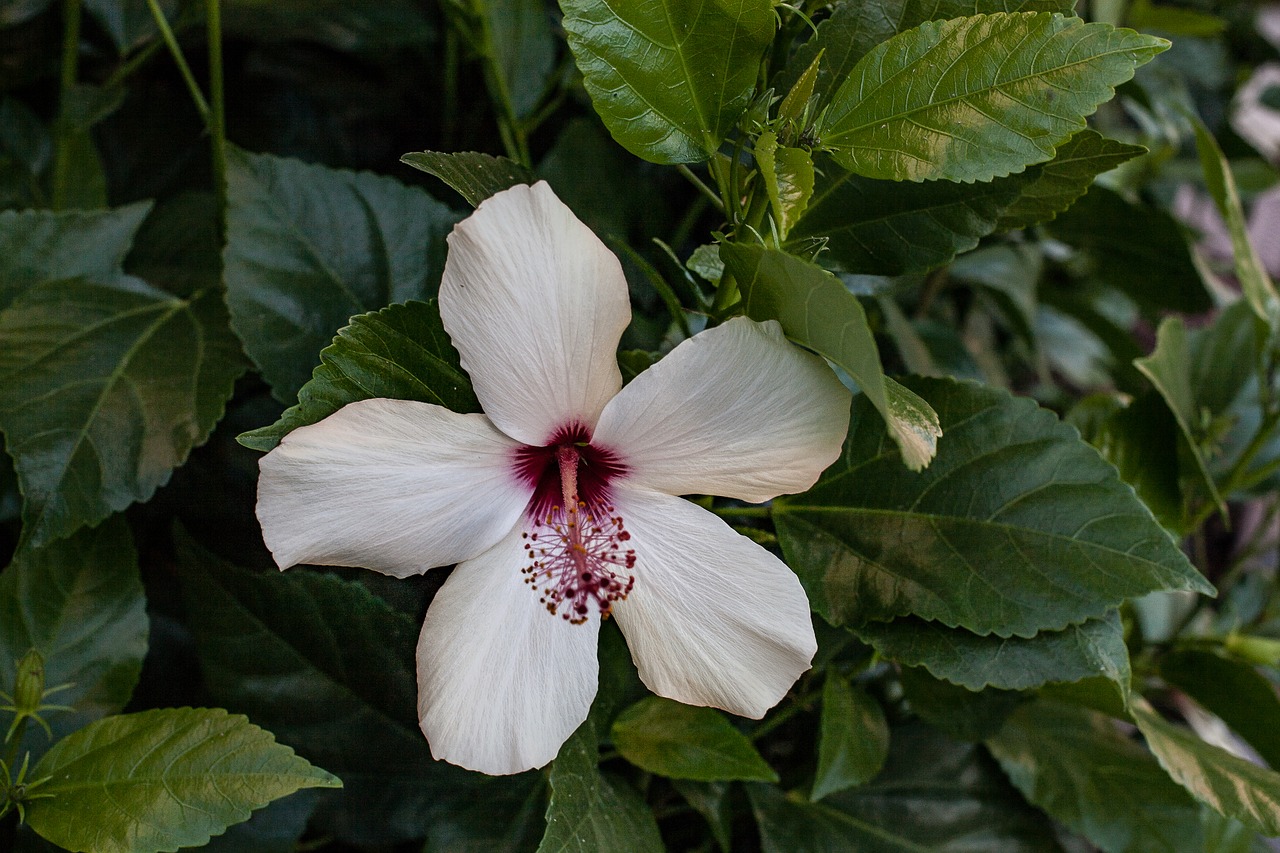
(683, 742)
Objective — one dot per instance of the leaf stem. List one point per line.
(706, 191)
(71, 14)
(217, 121)
(166, 33)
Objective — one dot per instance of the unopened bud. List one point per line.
(28, 690)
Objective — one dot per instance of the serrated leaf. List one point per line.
(162, 779)
(853, 739)
(683, 742)
(1228, 784)
(1017, 527)
(590, 812)
(1054, 186)
(1077, 766)
(891, 228)
(401, 352)
(1234, 690)
(960, 712)
(818, 311)
(308, 247)
(670, 78)
(1091, 649)
(975, 98)
(788, 179)
(106, 384)
(473, 175)
(932, 793)
(80, 603)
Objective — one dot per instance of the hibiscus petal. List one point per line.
(391, 485)
(714, 619)
(734, 411)
(502, 683)
(535, 305)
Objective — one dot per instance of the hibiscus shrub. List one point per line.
(841, 425)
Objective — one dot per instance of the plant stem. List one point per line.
(217, 121)
(166, 33)
(70, 71)
(706, 191)
(744, 511)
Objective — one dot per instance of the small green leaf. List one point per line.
(684, 742)
(818, 311)
(853, 739)
(401, 352)
(308, 247)
(590, 812)
(473, 175)
(1077, 766)
(670, 78)
(1234, 690)
(1093, 648)
(162, 779)
(1017, 527)
(975, 98)
(788, 179)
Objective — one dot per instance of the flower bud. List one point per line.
(28, 690)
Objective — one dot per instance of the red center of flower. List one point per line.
(577, 547)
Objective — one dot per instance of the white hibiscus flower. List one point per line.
(559, 504)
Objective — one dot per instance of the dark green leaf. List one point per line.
(1017, 527)
(1230, 785)
(129, 22)
(521, 48)
(401, 352)
(669, 78)
(1008, 274)
(79, 602)
(960, 712)
(475, 176)
(684, 742)
(276, 828)
(1077, 766)
(372, 28)
(1092, 648)
(178, 247)
(1235, 691)
(162, 779)
(932, 794)
(711, 800)
(1052, 187)
(853, 739)
(975, 98)
(590, 812)
(818, 311)
(308, 247)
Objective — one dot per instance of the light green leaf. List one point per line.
(818, 311)
(162, 779)
(670, 78)
(853, 739)
(788, 179)
(590, 812)
(474, 176)
(401, 352)
(308, 247)
(971, 99)
(683, 742)
(1052, 187)
(1230, 785)
(1234, 690)
(80, 603)
(1091, 649)
(1077, 766)
(1017, 527)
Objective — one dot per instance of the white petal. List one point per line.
(734, 411)
(535, 305)
(391, 485)
(502, 683)
(714, 619)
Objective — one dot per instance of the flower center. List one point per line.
(577, 545)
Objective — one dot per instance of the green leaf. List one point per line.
(38, 246)
(712, 800)
(1017, 527)
(1052, 187)
(474, 176)
(683, 742)
(818, 311)
(1235, 691)
(890, 228)
(517, 41)
(401, 352)
(590, 812)
(669, 78)
(1259, 289)
(1093, 648)
(375, 29)
(106, 384)
(1007, 274)
(976, 98)
(129, 22)
(162, 779)
(960, 712)
(1230, 785)
(788, 179)
(80, 603)
(308, 247)
(853, 740)
(1081, 769)
(932, 794)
